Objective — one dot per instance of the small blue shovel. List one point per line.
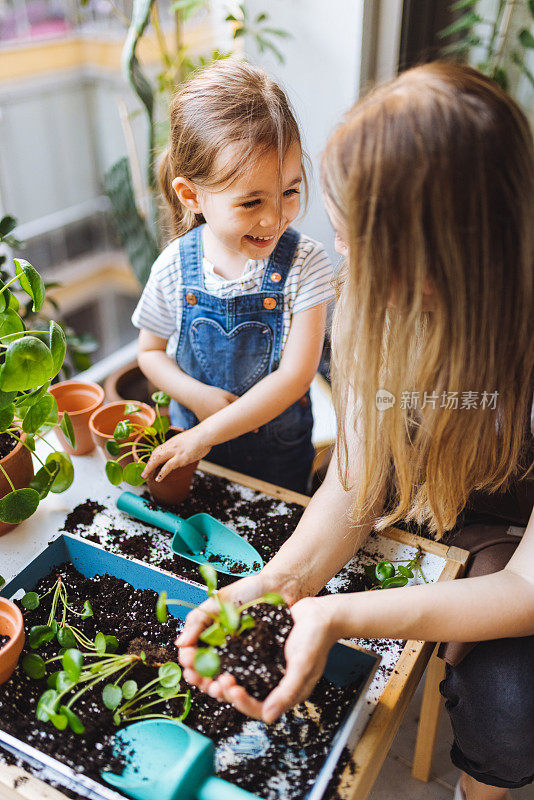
(200, 538)
(165, 760)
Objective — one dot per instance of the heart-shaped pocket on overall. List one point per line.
(233, 360)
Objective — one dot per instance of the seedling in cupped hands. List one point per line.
(229, 620)
(385, 575)
(86, 663)
(152, 436)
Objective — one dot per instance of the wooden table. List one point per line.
(388, 695)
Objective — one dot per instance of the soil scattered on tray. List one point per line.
(4, 639)
(7, 444)
(274, 762)
(256, 657)
(82, 516)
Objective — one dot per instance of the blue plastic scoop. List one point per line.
(165, 760)
(200, 538)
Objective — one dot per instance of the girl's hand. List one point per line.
(178, 451)
(240, 592)
(210, 400)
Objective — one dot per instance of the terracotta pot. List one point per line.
(79, 400)
(104, 421)
(176, 486)
(128, 383)
(12, 625)
(19, 466)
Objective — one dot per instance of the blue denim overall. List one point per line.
(233, 343)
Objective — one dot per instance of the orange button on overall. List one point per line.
(191, 298)
(269, 303)
(276, 277)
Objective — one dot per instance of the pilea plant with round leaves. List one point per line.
(229, 620)
(121, 445)
(29, 360)
(385, 575)
(86, 663)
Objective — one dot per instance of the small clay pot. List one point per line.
(12, 625)
(104, 421)
(19, 466)
(176, 486)
(79, 400)
(128, 383)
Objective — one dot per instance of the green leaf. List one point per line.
(526, 38)
(112, 643)
(123, 430)
(129, 689)
(132, 473)
(43, 480)
(209, 575)
(30, 443)
(64, 682)
(40, 634)
(161, 425)
(68, 430)
(59, 721)
(246, 622)
(75, 723)
(46, 706)
(38, 414)
(273, 599)
(465, 22)
(30, 600)
(162, 612)
(112, 695)
(51, 681)
(161, 398)
(72, 663)
(17, 506)
(6, 417)
(187, 706)
(31, 282)
(214, 635)
(65, 476)
(460, 5)
(7, 224)
(405, 571)
(87, 610)
(207, 662)
(394, 581)
(66, 638)
(28, 363)
(100, 643)
(58, 345)
(384, 570)
(10, 322)
(114, 472)
(113, 448)
(6, 398)
(2, 580)
(229, 617)
(131, 408)
(169, 674)
(34, 666)
(531, 7)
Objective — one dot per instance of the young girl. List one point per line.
(232, 318)
(430, 186)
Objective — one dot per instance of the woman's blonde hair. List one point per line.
(229, 105)
(431, 180)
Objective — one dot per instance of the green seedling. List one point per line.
(229, 620)
(152, 436)
(86, 663)
(385, 575)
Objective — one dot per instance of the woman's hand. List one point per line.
(178, 451)
(306, 651)
(209, 400)
(242, 591)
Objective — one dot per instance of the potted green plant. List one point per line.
(29, 361)
(172, 489)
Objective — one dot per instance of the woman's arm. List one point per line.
(165, 373)
(262, 403)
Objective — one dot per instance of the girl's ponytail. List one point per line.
(182, 220)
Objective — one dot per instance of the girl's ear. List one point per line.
(187, 194)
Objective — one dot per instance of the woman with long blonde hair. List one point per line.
(429, 183)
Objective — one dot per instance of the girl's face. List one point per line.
(247, 219)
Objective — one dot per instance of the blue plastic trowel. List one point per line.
(200, 538)
(168, 761)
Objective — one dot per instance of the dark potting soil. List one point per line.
(256, 657)
(281, 761)
(82, 516)
(4, 640)
(7, 444)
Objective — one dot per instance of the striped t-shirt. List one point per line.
(159, 310)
